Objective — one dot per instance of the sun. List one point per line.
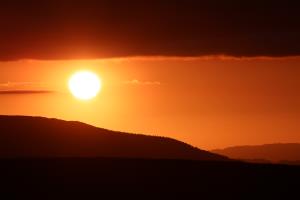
(84, 85)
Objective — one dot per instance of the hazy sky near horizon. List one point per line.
(209, 102)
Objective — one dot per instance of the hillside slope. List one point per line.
(22, 136)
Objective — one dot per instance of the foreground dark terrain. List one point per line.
(87, 178)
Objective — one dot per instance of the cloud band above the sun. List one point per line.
(89, 29)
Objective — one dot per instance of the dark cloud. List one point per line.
(20, 92)
(63, 29)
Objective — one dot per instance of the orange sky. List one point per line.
(209, 102)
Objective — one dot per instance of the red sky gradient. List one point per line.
(147, 54)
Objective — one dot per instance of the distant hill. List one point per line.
(279, 153)
(22, 136)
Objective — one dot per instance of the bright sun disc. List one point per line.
(84, 85)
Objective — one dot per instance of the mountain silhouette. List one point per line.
(23, 136)
(278, 153)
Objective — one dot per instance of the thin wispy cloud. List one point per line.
(13, 88)
(138, 82)
(15, 84)
(21, 92)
